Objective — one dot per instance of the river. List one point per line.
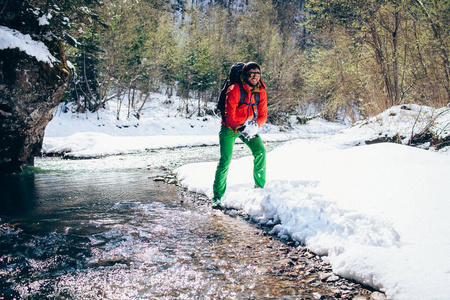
(103, 229)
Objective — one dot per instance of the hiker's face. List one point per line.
(253, 76)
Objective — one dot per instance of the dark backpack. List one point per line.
(234, 76)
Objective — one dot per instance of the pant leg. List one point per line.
(227, 139)
(259, 160)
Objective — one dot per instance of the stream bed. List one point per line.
(104, 229)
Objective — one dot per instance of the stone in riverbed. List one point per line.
(324, 276)
(378, 296)
(333, 278)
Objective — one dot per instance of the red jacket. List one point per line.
(236, 116)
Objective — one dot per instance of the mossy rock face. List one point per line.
(29, 93)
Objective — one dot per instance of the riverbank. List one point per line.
(306, 270)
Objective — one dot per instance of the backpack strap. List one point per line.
(242, 100)
(244, 94)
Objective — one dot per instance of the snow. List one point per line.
(43, 20)
(251, 129)
(11, 38)
(85, 135)
(377, 213)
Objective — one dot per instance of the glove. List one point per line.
(247, 136)
(241, 130)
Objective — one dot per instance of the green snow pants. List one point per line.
(227, 139)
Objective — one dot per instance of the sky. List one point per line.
(377, 213)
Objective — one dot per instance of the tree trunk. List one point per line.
(383, 64)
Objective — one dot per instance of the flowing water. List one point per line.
(101, 229)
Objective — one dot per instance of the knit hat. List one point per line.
(250, 65)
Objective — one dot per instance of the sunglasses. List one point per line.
(254, 74)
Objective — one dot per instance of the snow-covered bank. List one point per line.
(401, 124)
(378, 213)
(98, 134)
(92, 144)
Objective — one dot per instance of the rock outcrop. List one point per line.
(30, 90)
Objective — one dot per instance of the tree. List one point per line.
(432, 40)
(83, 82)
(124, 65)
(393, 52)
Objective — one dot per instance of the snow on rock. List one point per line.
(43, 20)
(11, 38)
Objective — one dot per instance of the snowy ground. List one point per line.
(378, 213)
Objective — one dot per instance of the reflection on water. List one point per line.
(115, 234)
(17, 194)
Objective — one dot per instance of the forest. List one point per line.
(342, 59)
